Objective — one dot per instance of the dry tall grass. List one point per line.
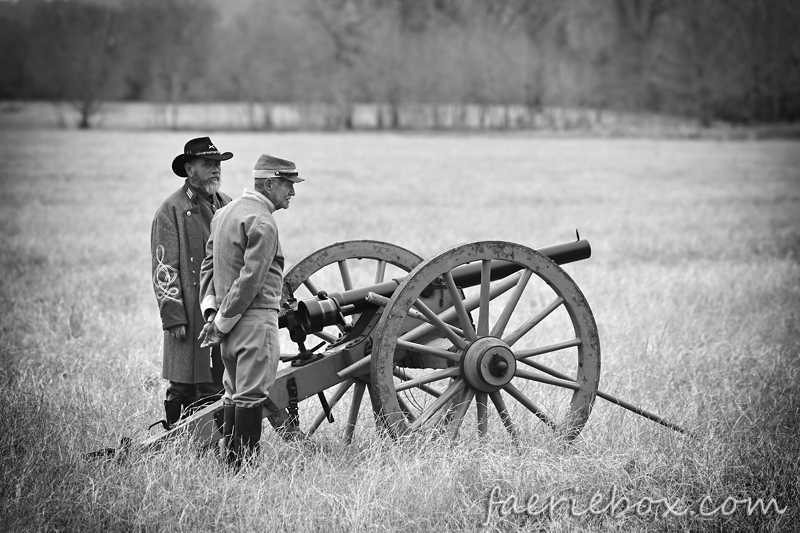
(694, 281)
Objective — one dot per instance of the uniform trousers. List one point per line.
(251, 353)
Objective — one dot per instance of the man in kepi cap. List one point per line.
(241, 281)
(177, 241)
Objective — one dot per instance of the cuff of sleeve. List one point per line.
(172, 314)
(166, 325)
(224, 325)
(209, 303)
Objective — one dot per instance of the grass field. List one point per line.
(694, 282)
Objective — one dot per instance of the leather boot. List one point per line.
(229, 417)
(246, 433)
(173, 409)
(198, 405)
(172, 412)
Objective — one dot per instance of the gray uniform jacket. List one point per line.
(243, 267)
(178, 236)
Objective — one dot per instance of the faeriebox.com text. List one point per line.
(614, 505)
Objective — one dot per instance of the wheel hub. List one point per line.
(488, 364)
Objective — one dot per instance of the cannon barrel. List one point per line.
(569, 252)
(317, 313)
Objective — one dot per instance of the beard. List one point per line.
(209, 186)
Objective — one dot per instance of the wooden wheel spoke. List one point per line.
(433, 391)
(331, 403)
(547, 370)
(567, 384)
(404, 407)
(429, 350)
(502, 410)
(461, 409)
(458, 305)
(422, 318)
(423, 387)
(470, 304)
(483, 316)
(311, 287)
(413, 313)
(508, 310)
(317, 267)
(380, 273)
(439, 324)
(481, 407)
(529, 405)
(345, 273)
(428, 378)
(430, 390)
(445, 415)
(530, 324)
(532, 352)
(383, 301)
(355, 407)
(454, 388)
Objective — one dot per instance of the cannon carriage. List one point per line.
(490, 328)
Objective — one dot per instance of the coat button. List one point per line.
(191, 259)
(188, 213)
(195, 284)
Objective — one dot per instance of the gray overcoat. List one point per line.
(178, 239)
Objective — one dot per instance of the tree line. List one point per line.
(736, 60)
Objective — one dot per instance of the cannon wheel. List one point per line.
(485, 362)
(341, 253)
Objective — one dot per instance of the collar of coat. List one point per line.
(194, 195)
(250, 194)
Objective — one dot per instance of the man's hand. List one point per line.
(210, 335)
(178, 332)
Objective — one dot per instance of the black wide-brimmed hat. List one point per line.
(200, 147)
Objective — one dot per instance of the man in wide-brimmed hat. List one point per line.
(242, 276)
(180, 230)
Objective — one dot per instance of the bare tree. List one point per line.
(767, 31)
(14, 79)
(540, 21)
(76, 63)
(692, 65)
(344, 23)
(638, 21)
(734, 59)
(171, 44)
(269, 56)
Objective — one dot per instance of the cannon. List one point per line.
(495, 327)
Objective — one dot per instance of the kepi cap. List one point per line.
(200, 147)
(269, 166)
